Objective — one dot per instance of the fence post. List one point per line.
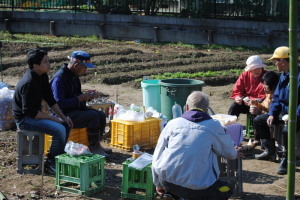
(210, 36)
(52, 27)
(6, 22)
(12, 5)
(102, 31)
(75, 5)
(155, 36)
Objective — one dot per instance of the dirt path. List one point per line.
(260, 180)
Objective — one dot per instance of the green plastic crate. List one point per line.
(82, 175)
(137, 184)
(249, 127)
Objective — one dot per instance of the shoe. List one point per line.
(168, 197)
(265, 156)
(51, 169)
(95, 146)
(256, 142)
(269, 152)
(282, 168)
(108, 150)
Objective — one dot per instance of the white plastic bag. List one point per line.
(130, 115)
(225, 119)
(76, 149)
(151, 112)
(6, 115)
(135, 113)
(118, 109)
(142, 161)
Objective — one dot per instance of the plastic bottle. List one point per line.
(176, 110)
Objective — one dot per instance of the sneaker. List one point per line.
(282, 168)
(51, 169)
(108, 150)
(168, 197)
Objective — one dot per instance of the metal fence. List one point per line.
(264, 10)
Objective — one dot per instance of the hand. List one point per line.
(253, 102)
(239, 152)
(54, 118)
(94, 93)
(68, 121)
(238, 100)
(160, 191)
(246, 101)
(270, 120)
(85, 96)
(254, 110)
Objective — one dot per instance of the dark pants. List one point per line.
(94, 120)
(236, 109)
(261, 127)
(220, 190)
(263, 131)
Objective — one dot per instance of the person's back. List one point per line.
(192, 151)
(185, 158)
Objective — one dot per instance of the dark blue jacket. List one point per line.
(280, 102)
(66, 87)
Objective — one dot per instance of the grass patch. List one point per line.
(77, 40)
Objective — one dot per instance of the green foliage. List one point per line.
(194, 75)
(86, 8)
(49, 39)
(236, 71)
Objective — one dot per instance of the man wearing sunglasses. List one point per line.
(280, 104)
(66, 87)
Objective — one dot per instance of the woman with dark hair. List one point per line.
(269, 81)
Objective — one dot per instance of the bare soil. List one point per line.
(119, 64)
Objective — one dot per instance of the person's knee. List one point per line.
(59, 133)
(256, 120)
(101, 116)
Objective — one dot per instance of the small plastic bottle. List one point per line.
(176, 110)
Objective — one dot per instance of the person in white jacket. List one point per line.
(185, 159)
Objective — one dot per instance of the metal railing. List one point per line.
(264, 10)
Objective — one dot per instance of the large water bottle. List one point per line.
(176, 110)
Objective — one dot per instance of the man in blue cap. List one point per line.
(66, 87)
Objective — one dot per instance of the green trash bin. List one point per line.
(151, 94)
(176, 90)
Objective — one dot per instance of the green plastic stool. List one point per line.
(249, 127)
(134, 180)
(82, 175)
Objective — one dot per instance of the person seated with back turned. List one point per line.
(66, 87)
(185, 159)
(29, 92)
(248, 85)
(280, 104)
(261, 129)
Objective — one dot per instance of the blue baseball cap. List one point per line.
(84, 58)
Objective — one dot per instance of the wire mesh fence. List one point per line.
(264, 10)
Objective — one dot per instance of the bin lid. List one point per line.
(147, 83)
(180, 82)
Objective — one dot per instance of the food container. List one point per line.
(225, 119)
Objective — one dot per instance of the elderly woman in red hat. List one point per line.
(248, 86)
